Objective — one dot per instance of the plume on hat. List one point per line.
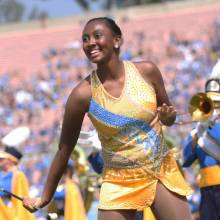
(215, 74)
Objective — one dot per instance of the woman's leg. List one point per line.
(116, 214)
(168, 205)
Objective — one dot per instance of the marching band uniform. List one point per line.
(203, 145)
(67, 201)
(96, 161)
(14, 181)
(135, 155)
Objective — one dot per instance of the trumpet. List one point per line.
(201, 108)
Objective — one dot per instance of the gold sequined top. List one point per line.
(122, 123)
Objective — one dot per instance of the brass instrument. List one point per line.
(200, 108)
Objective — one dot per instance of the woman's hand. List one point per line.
(166, 114)
(33, 204)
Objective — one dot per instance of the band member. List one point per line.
(13, 180)
(203, 145)
(67, 201)
(127, 103)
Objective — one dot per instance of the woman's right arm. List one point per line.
(75, 110)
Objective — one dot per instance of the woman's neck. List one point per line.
(113, 70)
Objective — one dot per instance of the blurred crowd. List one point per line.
(38, 102)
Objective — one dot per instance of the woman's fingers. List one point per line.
(32, 204)
(154, 121)
(165, 109)
(163, 112)
(166, 114)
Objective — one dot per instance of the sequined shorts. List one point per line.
(135, 188)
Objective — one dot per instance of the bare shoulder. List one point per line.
(148, 70)
(81, 94)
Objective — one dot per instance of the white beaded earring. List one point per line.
(116, 46)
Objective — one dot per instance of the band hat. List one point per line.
(4, 155)
(11, 153)
(215, 74)
(213, 83)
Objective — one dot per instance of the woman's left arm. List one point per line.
(166, 112)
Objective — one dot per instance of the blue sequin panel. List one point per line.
(130, 127)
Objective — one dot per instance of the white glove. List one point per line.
(212, 120)
(201, 128)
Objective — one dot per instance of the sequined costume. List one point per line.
(135, 155)
(207, 151)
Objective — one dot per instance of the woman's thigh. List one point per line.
(168, 205)
(116, 214)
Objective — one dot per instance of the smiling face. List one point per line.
(99, 41)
